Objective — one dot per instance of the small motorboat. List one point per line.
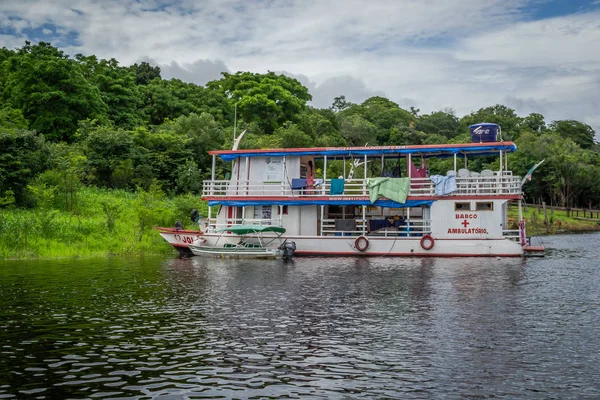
(246, 241)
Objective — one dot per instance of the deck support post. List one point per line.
(365, 177)
(324, 177)
(322, 215)
(283, 178)
(248, 176)
(364, 218)
(212, 175)
(280, 215)
(455, 164)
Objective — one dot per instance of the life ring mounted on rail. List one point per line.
(427, 242)
(361, 243)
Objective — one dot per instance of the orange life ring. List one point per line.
(427, 242)
(361, 243)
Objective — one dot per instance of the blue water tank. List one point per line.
(484, 132)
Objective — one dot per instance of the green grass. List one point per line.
(105, 223)
(559, 221)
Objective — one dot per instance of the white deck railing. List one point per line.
(512, 234)
(419, 187)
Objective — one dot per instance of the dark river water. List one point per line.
(315, 327)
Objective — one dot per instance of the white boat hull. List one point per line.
(397, 246)
(180, 239)
(236, 252)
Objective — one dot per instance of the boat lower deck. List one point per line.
(397, 246)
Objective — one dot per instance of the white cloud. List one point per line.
(199, 72)
(464, 54)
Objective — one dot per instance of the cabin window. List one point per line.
(263, 212)
(486, 206)
(282, 210)
(462, 206)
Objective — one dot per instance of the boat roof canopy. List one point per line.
(434, 150)
(246, 229)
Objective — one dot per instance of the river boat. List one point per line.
(180, 239)
(246, 241)
(380, 201)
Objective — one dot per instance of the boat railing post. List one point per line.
(248, 175)
(365, 180)
(409, 167)
(364, 217)
(454, 164)
(324, 176)
(212, 175)
(283, 174)
(322, 215)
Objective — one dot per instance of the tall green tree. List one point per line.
(383, 115)
(106, 150)
(117, 87)
(580, 133)
(23, 155)
(144, 72)
(51, 91)
(268, 99)
(444, 123)
(203, 134)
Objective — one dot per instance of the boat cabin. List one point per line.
(328, 191)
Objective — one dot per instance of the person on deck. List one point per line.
(310, 177)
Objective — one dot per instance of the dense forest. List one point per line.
(73, 123)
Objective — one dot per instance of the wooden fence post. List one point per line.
(546, 217)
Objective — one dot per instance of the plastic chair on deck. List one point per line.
(487, 180)
(474, 182)
(463, 183)
(450, 172)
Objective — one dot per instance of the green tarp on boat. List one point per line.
(246, 229)
(392, 188)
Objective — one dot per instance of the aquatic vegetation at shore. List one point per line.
(106, 222)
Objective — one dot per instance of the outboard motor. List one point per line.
(288, 247)
(195, 216)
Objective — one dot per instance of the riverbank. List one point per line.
(558, 221)
(103, 223)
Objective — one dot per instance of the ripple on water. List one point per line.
(320, 327)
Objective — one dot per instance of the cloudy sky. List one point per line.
(532, 55)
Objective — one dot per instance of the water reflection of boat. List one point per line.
(246, 241)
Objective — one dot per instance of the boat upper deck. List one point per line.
(273, 174)
(338, 153)
(468, 184)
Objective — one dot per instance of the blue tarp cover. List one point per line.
(432, 151)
